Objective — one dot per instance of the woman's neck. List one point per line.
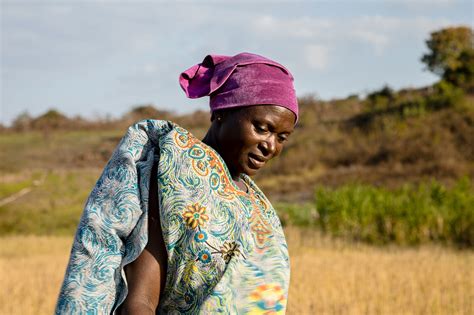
(210, 139)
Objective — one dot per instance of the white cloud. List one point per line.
(301, 27)
(421, 4)
(377, 40)
(317, 56)
(425, 25)
(378, 31)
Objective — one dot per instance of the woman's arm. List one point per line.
(146, 276)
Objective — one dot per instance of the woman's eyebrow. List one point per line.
(274, 128)
(263, 121)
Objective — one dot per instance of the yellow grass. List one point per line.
(328, 277)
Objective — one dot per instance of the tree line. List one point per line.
(450, 55)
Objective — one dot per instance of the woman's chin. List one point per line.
(250, 171)
(247, 169)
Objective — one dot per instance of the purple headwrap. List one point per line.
(242, 80)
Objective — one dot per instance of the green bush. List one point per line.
(297, 214)
(408, 215)
(381, 99)
(445, 95)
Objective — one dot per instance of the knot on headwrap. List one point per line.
(242, 80)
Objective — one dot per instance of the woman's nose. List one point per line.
(268, 146)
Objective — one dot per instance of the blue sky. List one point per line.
(93, 58)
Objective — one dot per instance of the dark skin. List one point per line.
(246, 138)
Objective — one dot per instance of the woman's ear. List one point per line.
(217, 117)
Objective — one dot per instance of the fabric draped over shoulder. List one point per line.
(226, 249)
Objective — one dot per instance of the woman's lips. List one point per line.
(255, 162)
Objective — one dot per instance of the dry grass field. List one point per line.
(328, 276)
(336, 277)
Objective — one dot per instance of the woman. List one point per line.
(181, 216)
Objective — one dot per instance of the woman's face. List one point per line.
(250, 136)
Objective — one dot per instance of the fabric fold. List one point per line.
(218, 74)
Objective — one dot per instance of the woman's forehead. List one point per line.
(277, 115)
(272, 112)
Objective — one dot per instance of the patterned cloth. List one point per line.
(226, 248)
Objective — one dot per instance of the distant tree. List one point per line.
(451, 55)
(52, 119)
(308, 99)
(22, 122)
(147, 111)
(463, 76)
(352, 97)
(386, 91)
(198, 121)
(381, 99)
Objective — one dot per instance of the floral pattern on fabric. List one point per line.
(195, 215)
(226, 249)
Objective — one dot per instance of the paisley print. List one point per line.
(225, 247)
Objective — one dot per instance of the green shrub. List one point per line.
(297, 214)
(381, 99)
(408, 215)
(445, 95)
(415, 107)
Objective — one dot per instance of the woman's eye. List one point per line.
(261, 129)
(282, 138)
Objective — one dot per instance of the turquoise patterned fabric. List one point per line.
(226, 248)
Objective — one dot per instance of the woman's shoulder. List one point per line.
(156, 129)
(153, 125)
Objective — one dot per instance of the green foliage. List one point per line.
(451, 55)
(297, 214)
(445, 95)
(381, 99)
(408, 215)
(442, 95)
(463, 76)
(385, 105)
(415, 107)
